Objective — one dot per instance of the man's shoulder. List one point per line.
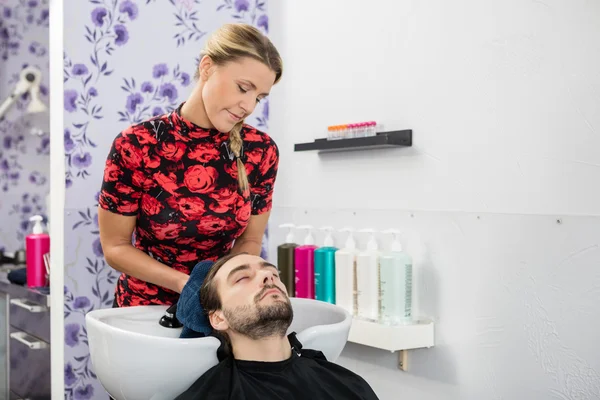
(347, 377)
(213, 384)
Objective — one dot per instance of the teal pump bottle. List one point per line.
(325, 269)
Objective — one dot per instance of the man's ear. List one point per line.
(205, 68)
(218, 321)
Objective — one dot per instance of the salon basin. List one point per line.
(135, 358)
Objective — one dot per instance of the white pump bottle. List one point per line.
(345, 274)
(367, 279)
(395, 282)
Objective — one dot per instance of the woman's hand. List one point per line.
(251, 240)
(182, 283)
(115, 236)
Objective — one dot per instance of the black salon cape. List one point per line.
(305, 375)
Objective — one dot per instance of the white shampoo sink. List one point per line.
(135, 358)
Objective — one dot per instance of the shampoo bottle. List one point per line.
(345, 274)
(37, 243)
(396, 283)
(367, 279)
(325, 268)
(285, 260)
(304, 265)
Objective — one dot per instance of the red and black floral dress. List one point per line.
(180, 181)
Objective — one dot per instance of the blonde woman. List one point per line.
(191, 182)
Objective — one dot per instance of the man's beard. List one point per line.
(261, 321)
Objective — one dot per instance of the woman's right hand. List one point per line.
(115, 237)
(182, 282)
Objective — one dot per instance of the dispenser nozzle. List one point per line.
(350, 242)
(290, 235)
(328, 242)
(394, 232)
(372, 243)
(37, 224)
(396, 245)
(36, 218)
(309, 239)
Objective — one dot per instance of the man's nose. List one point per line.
(268, 277)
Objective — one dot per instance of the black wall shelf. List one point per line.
(381, 140)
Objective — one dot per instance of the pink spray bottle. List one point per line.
(304, 261)
(36, 245)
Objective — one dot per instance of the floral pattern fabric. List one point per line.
(180, 181)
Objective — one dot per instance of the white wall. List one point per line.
(504, 101)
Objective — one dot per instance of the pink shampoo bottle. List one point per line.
(304, 261)
(36, 245)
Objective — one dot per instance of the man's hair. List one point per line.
(209, 295)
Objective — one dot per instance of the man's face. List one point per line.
(254, 300)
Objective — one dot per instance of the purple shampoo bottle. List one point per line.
(304, 261)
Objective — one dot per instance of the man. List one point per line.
(247, 304)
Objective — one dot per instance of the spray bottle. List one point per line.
(304, 264)
(325, 268)
(367, 279)
(345, 274)
(285, 260)
(37, 243)
(395, 282)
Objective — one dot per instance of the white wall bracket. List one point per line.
(397, 338)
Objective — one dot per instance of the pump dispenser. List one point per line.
(345, 274)
(367, 279)
(304, 265)
(395, 282)
(36, 245)
(285, 260)
(325, 268)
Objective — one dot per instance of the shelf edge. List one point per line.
(402, 138)
(392, 338)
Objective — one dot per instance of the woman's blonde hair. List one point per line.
(230, 43)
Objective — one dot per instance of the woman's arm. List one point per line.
(251, 240)
(262, 197)
(115, 236)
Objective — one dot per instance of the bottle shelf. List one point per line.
(390, 139)
(396, 338)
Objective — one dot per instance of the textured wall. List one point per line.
(504, 100)
(124, 61)
(514, 299)
(24, 157)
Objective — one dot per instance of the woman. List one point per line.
(191, 182)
